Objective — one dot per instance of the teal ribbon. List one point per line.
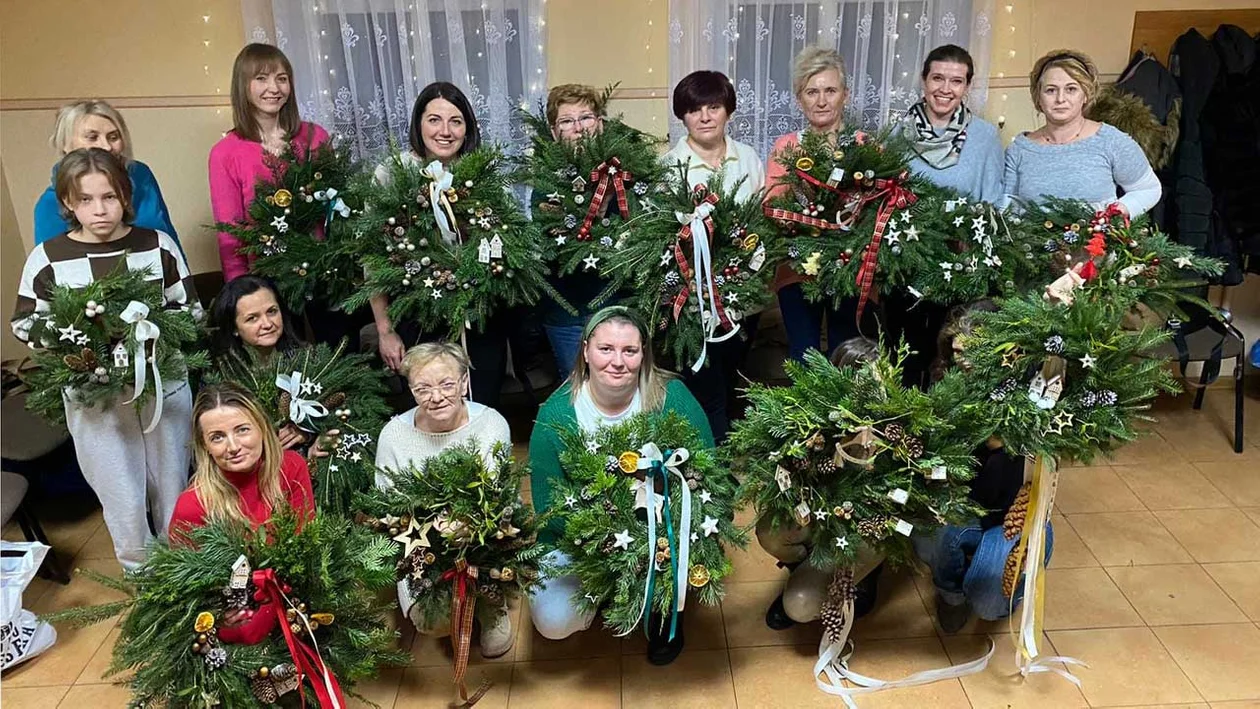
(658, 468)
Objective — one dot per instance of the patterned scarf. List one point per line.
(940, 151)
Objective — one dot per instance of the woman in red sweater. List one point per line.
(241, 472)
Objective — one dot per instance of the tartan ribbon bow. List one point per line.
(895, 196)
(607, 173)
(463, 605)
(698, 227)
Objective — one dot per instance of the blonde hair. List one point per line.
(813, 60)
(217, 495)
(68, 121)
(1077, 65)
(252, 60)
(652, 379)
(572, 94)
(88, 161)
(425, 353)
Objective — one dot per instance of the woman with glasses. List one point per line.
(437, 373)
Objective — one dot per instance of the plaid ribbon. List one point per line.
(895, 196)
(700, 196)
(462, 614)
(607, 173)
(786, 215)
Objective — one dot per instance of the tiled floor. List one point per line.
(1155, 582)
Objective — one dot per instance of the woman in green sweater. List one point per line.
(614, 379)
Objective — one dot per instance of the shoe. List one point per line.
(497, 637)
(777, 617)
(866, 592)
(661, 650)
(952, 616)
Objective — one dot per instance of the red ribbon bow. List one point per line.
(462, 606)
(896, 196)
(607, 173)
(699, 195)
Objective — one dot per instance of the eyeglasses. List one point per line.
(586, 120)
(445, 390)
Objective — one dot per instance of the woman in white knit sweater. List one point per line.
(437, 373)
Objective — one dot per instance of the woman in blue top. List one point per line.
(96, 124)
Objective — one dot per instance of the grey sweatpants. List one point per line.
(133, 472)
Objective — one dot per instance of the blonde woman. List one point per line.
(241, 473)
(96, 124)
(1071, 156)
(614, 379)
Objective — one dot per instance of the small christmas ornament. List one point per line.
(216, 658)
(1054, 344)
(893, 432)
(282, 198)
(914, 447)
(698, 576)
(629, 462)
(874, 528)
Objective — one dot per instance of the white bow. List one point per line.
(137, 313)
(443, 180)
(650, 454)
(300, 409)
(702, 265)
(338, 205)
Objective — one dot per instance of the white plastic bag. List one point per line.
(22, 635)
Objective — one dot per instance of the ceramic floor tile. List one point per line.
(1236, 478)
(1148, 448)
(65, 661)
(1069, 551)
(567, 684)
(1094, 489)
(703, 627)
(98, 695)
(435, 649)
(1243, 704)
(381, 690)
(1201, 438)
(1214, 535)
(1253, 513)
(744, 613)
(1124, 538)
(98, 546)
(894, 659)
(754, 564)
(434, 687)
(773, 677)
(33, 697)
(1221, 660)
(1171, 486)
(81, 591)
(94, 672)
(1085, 598)
(696, 680)
(899, 611)
(1175, 595)
(596, 641)
(1241, 580)
(1126, 666)
(1000, 685)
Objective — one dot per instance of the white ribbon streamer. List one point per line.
(300, 410)
(443, 180)
(326, 674)
(137, 313)
(702, 266)
(648, 454)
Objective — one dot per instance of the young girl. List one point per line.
(131, 471)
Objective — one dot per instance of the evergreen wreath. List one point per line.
(335, 390)
(298, 226)
(607, 540)
(577, 185)
(490, 258)
(855, 458)
(87, 345)
(173, 635)
(658, 265)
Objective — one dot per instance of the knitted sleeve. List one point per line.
(544, 455)
(227, 203)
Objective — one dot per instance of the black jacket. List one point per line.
(1231, 138)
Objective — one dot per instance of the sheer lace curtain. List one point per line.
(883, 44)
(359, 64)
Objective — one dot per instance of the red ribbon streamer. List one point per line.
(700, 195)
(895, 196)
(818, 183)
(607, 173)
(462, 606)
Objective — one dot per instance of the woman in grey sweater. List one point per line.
(1071, 156)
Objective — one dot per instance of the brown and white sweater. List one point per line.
(62, 261)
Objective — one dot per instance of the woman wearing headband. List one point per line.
(1071, 156)
(614, 379)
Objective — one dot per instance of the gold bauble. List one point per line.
(282, 198)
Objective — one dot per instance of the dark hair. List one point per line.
(855, 351)
(253, 59)
(702, 88)
(223, 338)
(960, 321)
(450, 92)
(88, 161)
(949, 53)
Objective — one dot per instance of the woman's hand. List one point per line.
(391, 349)
(291, 436)
(1120, 207)
(324, 444)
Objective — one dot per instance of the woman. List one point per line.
(1071, 156)
(95, 124)
(819, 85)
(705, 101)
(614, 379)
(241, 474)
(437, 374)
(953, 148)
(444, 128)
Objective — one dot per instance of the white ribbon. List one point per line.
(326, 674)
(443, 180)
(338, 206)
(702, 265)
(649, 454)
(300, 409)
(137, 313)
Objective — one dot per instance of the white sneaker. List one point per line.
(497, 637)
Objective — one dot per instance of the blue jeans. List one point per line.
(967, 565)
(803, 322)
(565, 341)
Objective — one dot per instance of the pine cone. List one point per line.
(875, 528)
(893, 432)
(827, 467)
(285, 400)
(833, 622)
(264, 690)
(1010, 574)
(335, 400)
(1013, 523)
(914, 446)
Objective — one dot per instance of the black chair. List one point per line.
(13, 505)
(1210, 342)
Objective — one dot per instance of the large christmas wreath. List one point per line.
(577, 184)
(697, 264)
(647, 510)
(298, 226)
(253, 618)
(448, 245)
(97, 342)
(319, 389)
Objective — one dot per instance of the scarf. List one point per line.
(940, 151)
